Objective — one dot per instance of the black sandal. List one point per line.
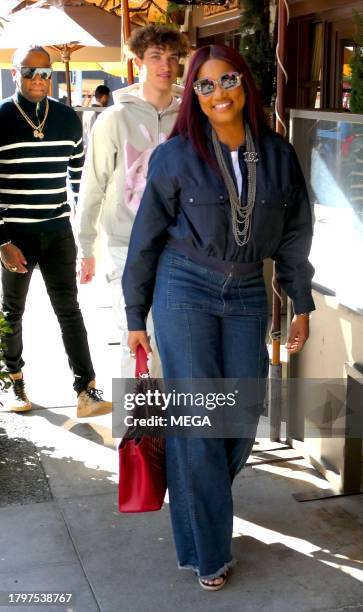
(205, 583)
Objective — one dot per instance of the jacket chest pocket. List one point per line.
(275, 202)
(202, 199)
(269, 216)
(205, 213)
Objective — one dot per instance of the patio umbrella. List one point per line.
(133, 13)
(65, 28)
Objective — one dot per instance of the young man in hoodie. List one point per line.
(120, 146)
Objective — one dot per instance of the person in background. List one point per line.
(120, 146)
(102, 99)
(41, 144)
(223, 193)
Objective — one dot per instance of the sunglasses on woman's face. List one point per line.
(29, 73)
(228, 80)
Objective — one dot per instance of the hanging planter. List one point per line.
(175, 13)
(257, 45)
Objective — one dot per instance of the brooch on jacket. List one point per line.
(250, 157)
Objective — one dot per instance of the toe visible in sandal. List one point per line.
(207, 584)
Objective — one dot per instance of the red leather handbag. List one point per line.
(142, 482)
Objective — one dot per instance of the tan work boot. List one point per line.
(90, 402)
(19, 402)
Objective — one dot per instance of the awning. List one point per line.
(142, 12)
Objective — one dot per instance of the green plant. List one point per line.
(173, 15)
(356, 64)
(4, 330)
(257, 45)
(173, 7)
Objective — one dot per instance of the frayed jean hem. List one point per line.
(222, 570)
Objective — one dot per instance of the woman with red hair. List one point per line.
(223, 194)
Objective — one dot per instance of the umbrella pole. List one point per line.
(126, 24)
(275, 367)
(68, 83)
(66, 56)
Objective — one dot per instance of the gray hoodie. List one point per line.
(115, 170)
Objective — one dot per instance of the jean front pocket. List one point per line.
(188, 285)
(254, 298)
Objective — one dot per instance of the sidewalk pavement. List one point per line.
(60, 529)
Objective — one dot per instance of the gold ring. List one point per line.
(13, 268)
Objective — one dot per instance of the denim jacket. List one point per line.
(186, 204)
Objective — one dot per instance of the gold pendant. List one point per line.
(38, 134)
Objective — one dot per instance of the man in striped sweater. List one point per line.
(40, 146)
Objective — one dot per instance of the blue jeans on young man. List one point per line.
(208, 325)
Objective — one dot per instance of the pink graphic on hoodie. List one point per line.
(136, 163)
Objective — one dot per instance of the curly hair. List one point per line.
(158, 36)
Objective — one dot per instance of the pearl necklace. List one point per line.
(38, 129)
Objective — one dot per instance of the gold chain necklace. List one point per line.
(38, 129)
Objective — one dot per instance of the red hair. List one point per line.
(191, 119)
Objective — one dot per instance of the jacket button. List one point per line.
(284, 205)
(263, 201)
(191, 199)
(221, 197)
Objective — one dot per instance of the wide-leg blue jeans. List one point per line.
(208, 325)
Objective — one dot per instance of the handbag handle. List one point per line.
(141, 367)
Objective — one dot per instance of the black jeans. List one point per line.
(55, 253)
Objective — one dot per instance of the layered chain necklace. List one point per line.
(241, 214)
(38, 129)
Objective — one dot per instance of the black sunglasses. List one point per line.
(29, 73)
(227, 80)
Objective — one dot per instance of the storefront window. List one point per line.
(330, 150)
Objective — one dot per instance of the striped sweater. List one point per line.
(33, 172)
